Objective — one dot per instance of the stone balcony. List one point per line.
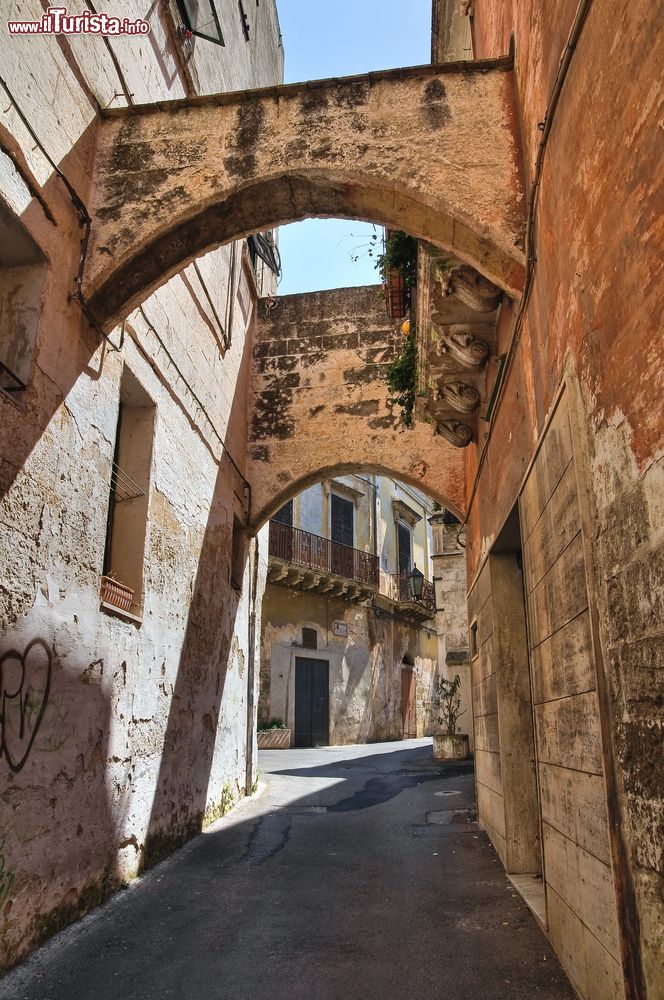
(308, 562)
(416, 609)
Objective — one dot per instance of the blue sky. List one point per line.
(339, 38)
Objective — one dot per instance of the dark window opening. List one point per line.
(200, 18)
(309, 638)
(473, 640)
(403, 533)
(342, 520)
(285, 514)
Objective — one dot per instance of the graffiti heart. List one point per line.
(25, 680)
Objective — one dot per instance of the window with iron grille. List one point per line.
(309, 638)
(200, 18)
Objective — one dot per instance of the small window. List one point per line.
(200, 18)
(309, 638)
(474, 650)
(124, 553)
(22, 272)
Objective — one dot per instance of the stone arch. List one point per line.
(428, 484)
(319, 405)
(430, 150)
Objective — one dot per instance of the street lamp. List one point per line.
(415, 583)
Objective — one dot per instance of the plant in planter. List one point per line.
(398, 269)
(273, 735)
(448, 744)
(114, 592)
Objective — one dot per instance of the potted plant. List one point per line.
(273, 735)
(398, 269)
(447, 743)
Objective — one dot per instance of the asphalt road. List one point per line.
(357, 873)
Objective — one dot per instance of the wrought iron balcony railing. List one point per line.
(315, 552)
(401, 592)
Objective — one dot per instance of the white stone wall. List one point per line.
(134, 732)
(364, 665)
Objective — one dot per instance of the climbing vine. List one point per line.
(401, 377)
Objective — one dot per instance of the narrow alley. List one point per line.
(357, 871)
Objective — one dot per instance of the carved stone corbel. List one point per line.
(456, 432)
(459, 341)
(469, 286)
(459, 395)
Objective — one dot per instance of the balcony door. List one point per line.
(281, 532)
(341, 533)
(404, 543)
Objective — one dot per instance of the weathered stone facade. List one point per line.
(591, 332)
(332, 148)
(380, 650)
(451, 621)
(141, 728)
(121, 734)
(320, 405)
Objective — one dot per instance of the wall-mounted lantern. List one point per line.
(415, 583)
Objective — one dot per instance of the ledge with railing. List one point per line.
(401, 592)
(322, 555)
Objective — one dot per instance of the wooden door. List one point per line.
(312, 702)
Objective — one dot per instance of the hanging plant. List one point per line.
(400, 255)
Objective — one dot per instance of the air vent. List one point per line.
(309, 638)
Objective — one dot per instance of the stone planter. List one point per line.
(451, 747)
(273, 739)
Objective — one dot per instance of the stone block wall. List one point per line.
(592, 321)
(120, 736)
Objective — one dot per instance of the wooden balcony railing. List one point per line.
(314, 552)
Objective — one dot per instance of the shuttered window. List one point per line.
(342, 520)
(309, 638)
(404, 547)
(285, 514)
